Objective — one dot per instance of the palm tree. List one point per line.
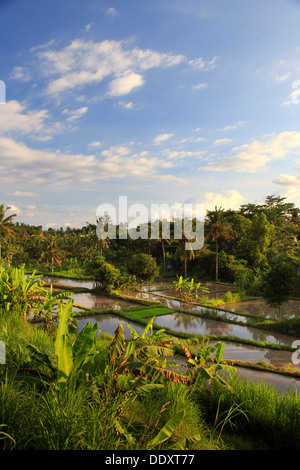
(217, 227)
(184, 254)
(102, 225)
(5, 222)
(52, 255)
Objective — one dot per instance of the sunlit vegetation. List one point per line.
(61, 389)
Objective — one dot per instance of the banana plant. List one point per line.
(188, 290)
(74, 361)
(180, 285)
(205, 367)
(136, 364)
(19, 292)
(46, 308)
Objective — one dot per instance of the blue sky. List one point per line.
(164, 101)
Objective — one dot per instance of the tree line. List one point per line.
(239, 245)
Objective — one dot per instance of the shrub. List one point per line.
(143, 266)
(107, 275)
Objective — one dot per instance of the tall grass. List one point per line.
(84, 417)
(56, 420)
(265, 414)
(17, 334)
(151, 412)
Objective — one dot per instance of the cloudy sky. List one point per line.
(162, 101)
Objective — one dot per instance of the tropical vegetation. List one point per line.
(61, 389)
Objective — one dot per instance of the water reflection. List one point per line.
(260, 308)
(109, 324)
(216, 292)
(245, 352)
(178, 304)
(70, 282)
(99, 302)
(202, 326)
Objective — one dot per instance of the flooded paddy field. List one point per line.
(70, 282)
(109, 323)
(260, 308)
(195, 325)
(190, 321)
(99, 302)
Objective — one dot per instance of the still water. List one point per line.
(192, 324)
(109, 324)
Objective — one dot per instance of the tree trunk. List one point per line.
(163, 252)
(217, 261)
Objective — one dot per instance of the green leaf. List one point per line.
(133, 332)
(186, 442)
(147, 387)
(42, 358)
(63, 347)
(65, 358)
(130, 349)
(149, 326)
(220, 351)
(64, 312)
(130, 439)
(84, 347)
(167, 431)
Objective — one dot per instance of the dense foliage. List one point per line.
(240, 246)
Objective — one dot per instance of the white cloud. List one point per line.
(83, 63)
(222, 141)
(233, 126)
(288, 180)
(22, 194)
(201, 64)
(255, 156)
(13, 209)
(162, 138)
(230, 199)
(124, 85)
(39, 167)
(200, 86)
(283, 77)
(95, 143)
(179, 154)
(21, 73)
(112, 12)
(14, 117)
(125, 105)
(118, 63)
(286, 103)
(75, 114)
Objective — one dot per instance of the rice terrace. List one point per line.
(150, 336)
